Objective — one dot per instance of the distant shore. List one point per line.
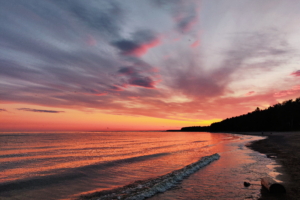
(284, 147)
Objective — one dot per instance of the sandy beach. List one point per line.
(284, 147)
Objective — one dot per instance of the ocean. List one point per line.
(66, 165)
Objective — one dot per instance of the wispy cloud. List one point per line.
(296, 73)
(111, 56)
(36, 110)
(283, 93)
(3, 110)
(185, 14)
(250, 93)
(142, 41)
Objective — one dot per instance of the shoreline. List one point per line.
(284, 148)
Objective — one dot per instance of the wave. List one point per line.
(63, 174)
(143, 189)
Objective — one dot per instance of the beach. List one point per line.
(284, 147)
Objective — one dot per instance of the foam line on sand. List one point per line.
(142, 189)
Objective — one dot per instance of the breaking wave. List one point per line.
(142, 189)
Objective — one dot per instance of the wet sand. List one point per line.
(284, 147)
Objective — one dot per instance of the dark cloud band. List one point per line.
(36, 110)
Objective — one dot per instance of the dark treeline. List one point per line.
(196, 128)
(280, 117)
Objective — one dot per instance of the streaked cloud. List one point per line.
(36, 110)
(250, 93)
(296, 73)
(294, 90)
(139, 45)
(160, 58)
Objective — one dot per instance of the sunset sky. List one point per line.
(144, 64)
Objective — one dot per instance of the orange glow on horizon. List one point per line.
(74, 120)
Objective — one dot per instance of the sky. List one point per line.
(102, 65)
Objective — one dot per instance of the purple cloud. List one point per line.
(3, 110)
(141, 81)
(126, 46)
(296, 73)
(127, 70)
(139, 45)
(185, 23)
(136, 77)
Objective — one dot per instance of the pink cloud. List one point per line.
(195, 44)
(296, 73)
(296, 87)
(143, 48)
(250, 93)
(140, 44)
(101, 94)
(154, 69)
(284, 93)
(134, 97)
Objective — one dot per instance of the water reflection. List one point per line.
(61, 166)
(224, 179)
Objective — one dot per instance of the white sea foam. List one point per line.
(143, 189)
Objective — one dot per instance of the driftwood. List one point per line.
(272, 185)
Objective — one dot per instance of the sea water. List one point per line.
(67, 165)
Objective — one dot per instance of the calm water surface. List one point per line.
(66, 165)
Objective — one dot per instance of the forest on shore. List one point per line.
(283, 116)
